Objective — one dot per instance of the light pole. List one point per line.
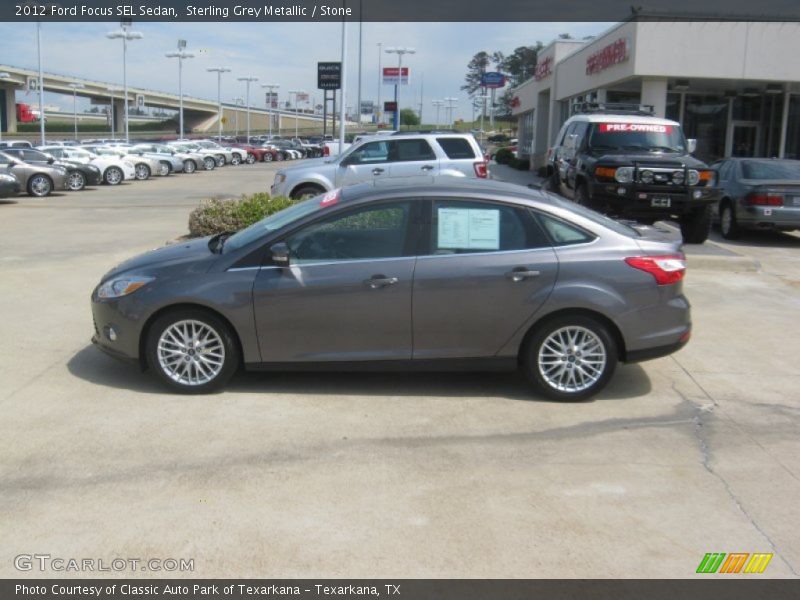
(295, 92)
(125, 35)
(40, 83)
(482, 105)
(112, 91)
(3, 75)
(451, 102)
(238, 101)
(270, 87)
(75, 87)
(438, 104)
(380, 82)
(400, 52)
(219, 71)
(342, 120)
(181, 54)
(247, 100)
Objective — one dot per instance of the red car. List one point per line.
(258, 154)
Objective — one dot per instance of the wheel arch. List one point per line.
(183, 306)
(315, 184)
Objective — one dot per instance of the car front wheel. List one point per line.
(40, 186)
(164, 169)
(236, 160)
(189, 166)
(268, 157)
(192, 351)
(76, 181)
(142, 172)
(569, 358)
(696, 226)
(209, 163)
(113, 176)
(251, 158)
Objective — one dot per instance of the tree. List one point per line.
(520, 65)
(409, 117)
(475, 69)
(564, 36)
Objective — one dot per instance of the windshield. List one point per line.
(273, 222)
(636, 136)
(773, 169)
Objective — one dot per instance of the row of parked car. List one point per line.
(39, 171)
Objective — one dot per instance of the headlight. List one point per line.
(280, 178)
(122, 286)
(693, 177)
(624, 175)
(677, 177)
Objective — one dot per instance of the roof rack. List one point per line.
(612, 108)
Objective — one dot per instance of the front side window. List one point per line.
(365, 233)
(369, 153)
(464, 227)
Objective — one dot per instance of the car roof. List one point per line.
(608, 118)
(440, 185)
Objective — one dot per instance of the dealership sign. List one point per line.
(493, 79)
(329, 75)
(544, 68)
(634, 128)
(392, 76)
(613, 54)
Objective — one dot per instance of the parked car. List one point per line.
(209, 158)
(143, 166)
(113, 169)
(9, 186)
(287, 148)
(388, 157)
(191, 160)
(258, 153)
(757, 193)
(452, 274)
(224, 156)
(15, 144)
(624, 162)
(169, 161)
(79, 175)
(36, 180)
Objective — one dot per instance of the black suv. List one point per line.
(626, 163)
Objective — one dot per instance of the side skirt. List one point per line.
(508, 363)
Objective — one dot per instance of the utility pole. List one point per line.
(219, 71)
(380, 83)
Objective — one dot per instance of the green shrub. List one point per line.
(503, 156)
(217, 215)
(521, 164)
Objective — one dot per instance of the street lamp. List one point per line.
(380, 82)
(238, 101)
(247, 95)
(295, 92)
(400, 52)
(75, 87)
(270, 87)
(3, 75)
(438, 104)
(181, 54)
(112, 90)
(126, 36)
(219, 71)
(451, 102)
(40, 82)
(482, 98)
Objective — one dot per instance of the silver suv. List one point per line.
(385, 157)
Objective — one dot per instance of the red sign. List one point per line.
(613, 54)
(544, 68)
(634, 127)
(391, 76)
(515, 102)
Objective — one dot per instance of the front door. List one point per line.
(488, 269)
(346, 295)
(367, 163)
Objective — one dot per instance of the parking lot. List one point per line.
(387, 475)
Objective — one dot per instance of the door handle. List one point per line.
(377, 171)
(379, 281)
(521, 273)
(427, 167)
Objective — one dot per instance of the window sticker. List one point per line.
(469, 228)
(634, 128)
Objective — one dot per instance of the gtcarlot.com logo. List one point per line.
(735, 562)
(46, 562)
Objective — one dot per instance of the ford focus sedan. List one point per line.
(442, 275)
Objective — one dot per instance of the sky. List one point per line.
(280, 53)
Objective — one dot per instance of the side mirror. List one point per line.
(280, 254)
(571, 141)
(51, 160)
(691, 145)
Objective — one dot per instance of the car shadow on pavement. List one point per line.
(91, 365)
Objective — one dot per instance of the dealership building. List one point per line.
(734, 86)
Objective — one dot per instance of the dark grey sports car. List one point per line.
(9, 186)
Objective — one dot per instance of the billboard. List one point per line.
(493, 79)
(367, 107)
(301, 97)
(392, 76)
(271, 99)
(329, 75)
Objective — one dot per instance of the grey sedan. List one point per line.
(37, 180)
(758, 193)
(449, 274)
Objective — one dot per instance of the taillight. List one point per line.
(665, 268)
(326, 151)
(756, 199)
(481, 170)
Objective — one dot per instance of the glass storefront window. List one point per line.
(705, 118)
(793, 130)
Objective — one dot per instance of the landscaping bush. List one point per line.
(503, 156)
(521, 164)
(218, 215)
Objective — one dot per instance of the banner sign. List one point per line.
(392, 76)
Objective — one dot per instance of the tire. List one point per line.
(696, 226)
(164, 169)
(251, 158)
(582, 196)
(236, 160)
(268, 157)
(113, 176)
(306, 190)
(40, 185)
(209, 164)
(199, 369)
(142, 172)
(544, 358)
(76, 181)
(189, 166)
(279, 157)
(728, 225)
(220, 160)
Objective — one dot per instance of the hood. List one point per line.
(667, 159)
(193, 255)
(310, 162)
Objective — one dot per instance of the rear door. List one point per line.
(412, 157)
(486, 270)
(367, 163)
(460, 155)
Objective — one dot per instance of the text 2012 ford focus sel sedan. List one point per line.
(450, 274)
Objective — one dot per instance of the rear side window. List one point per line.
(456, 147)
(562, 233)
(411, 150)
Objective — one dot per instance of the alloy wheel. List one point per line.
(40, 186)
(191, 352)
(142, 172)
(572, 359)
(113, 176)
(76, 181)
(163, 169)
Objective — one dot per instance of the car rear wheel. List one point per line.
(696, 226)
(569, 358)
(164, 169)
(209, 163)
(40, 186)
(268, 157)
(251, 158)
(279, 156)
(142, 172)
(76, 181)
(189, 166)
(192, 351)
(236, 160)
(728, 225)
(113, 176)
(220, 160)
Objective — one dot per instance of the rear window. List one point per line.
(757, 169)
(593, 216)
(456, 147)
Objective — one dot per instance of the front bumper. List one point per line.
(638, 201)
(129, 171)
(117, 327)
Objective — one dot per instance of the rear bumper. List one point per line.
(770, 217)
(633, 356)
